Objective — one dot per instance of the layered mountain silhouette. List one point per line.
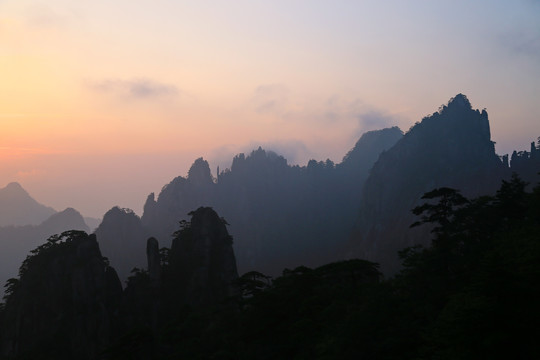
(64, 303)
(17, 241)
(450, 148)
(122, 239)
(25, 224)
(189, 302)
(186, 300)
(68, 303)
(281, 215)
(17, 207)
(285, 215)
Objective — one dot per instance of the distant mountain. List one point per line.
(122, 240)
(284, 216)
(17, 207)
(17, 241)
(450, 148)
(281, 215)
(92, 223)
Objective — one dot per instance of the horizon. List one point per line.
(104, 103)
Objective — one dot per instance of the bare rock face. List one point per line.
(65, 303)
(202, 260)
(176, 199)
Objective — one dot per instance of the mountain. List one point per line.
(455, 299)
(68, 303)
(451, 148)
(282, 215)
(17, 207)
(64, 304)
(122, 240)
(17, 241)
(92, 222)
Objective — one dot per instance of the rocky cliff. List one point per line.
(122, 239)
(65, 302)
(281, 215)
(451, 148)
(202, 261)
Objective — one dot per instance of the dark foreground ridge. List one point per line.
(471, 294)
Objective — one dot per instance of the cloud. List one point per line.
(339, 109)
(295, 151)
(26, 174)
(521, 43)
(374, 120)
(135, 89)
(271, 98)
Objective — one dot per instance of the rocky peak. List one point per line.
(122, 239)
(14, 188)
(203, 259)
(64, 303)
(199, 173)
(17, 207)
(459, 101)
(64, 220)
(370, 145)
(451, 148)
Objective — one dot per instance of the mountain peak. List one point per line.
(459, 101)
(18, 208)
(64, 220)
(199, 173)
(15, 187)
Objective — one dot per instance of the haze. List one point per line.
(103, 102)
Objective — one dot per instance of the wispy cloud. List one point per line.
(295, 151)
(135, 89)
(26, 174)
(271, 98)
(375, 119)
(521, 43)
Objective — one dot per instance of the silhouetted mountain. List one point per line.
(68, 303)
(65, 302)
(176, 199)
(17, 207)
(472, 294)
(122, 240)
(282, 215)
(17, 241)
(526, 163)
(201, 261)
(92, 223)
(450, 148)
(68, 219)
(199, 271)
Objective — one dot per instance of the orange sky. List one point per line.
(103, 102)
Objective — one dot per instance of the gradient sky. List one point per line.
(103, 102)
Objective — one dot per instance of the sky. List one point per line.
(103, 102)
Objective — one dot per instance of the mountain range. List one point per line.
(284, 215)
(26, 224)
